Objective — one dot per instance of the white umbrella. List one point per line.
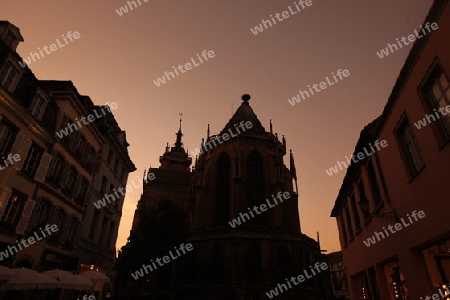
(75, 282)
(24, 271)
(96, 276)
(57, 274)
(5, 273)
(29, 282)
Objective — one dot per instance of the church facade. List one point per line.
(242, 209)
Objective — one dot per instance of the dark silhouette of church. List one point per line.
(242, 261)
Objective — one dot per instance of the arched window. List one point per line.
(223, 194)
(255, 185)
(254, 270)
(284, 262)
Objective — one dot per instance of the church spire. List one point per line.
(178, 143)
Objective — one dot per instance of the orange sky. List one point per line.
(117, 58)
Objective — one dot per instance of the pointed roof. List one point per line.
(245, 113)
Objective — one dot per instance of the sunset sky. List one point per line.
(117, 58)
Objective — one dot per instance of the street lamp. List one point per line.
(388, 216)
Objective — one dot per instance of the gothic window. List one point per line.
(283, 259)
(254, 259)
(223, 190)
(255, 184)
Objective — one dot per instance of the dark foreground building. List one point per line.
(237, 253)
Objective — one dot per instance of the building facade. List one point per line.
(391, 206)
(54, 178)
(97, 240)
(337, 275)
(231, 260)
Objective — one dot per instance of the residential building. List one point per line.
(404, 180)
(59, 171)
(337, 275)
(96, 246)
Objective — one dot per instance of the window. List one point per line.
(37, 106)
(8, 76)
(349, 224)
(355, 213)
(103, 187)
(64, 130)
(14, 208)
(376, 195)
(362, 195)
(94, 224)
(102, 231)
(223, 193)
(75, 141)
(7, 136)
(343, 230)
(58, 219)
(255, 184)
(436, 92)
(83, 190)
(43, 213)
(409, 149)
(71, 178)
(89, 156)
(111, 234)
(32, 161)
(71, 233)
(55, 168)
(82, 144)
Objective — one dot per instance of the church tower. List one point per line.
(170, 181)
(238, 252)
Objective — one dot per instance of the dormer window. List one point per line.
(9, 76)
(37, 106)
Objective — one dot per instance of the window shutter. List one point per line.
(43, 167)
(21, 147)
(5, 194)
(52, 216)
(23, 154)
(34, 214)
(76, 189)
(65, 175)
(26, 214)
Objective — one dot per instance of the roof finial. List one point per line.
(207, 133)
(178, 143)
(271, 129)
(246, 98)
